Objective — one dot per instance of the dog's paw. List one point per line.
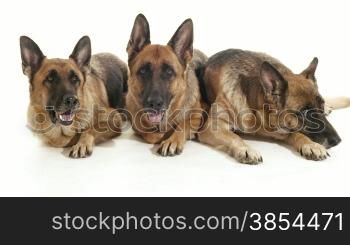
(172, 146)
(80, 150)
(313, 151)
(247, 155)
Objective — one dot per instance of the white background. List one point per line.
(293, 31)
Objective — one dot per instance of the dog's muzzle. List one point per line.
(65, 112)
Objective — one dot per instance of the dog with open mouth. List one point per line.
(252, 93)
(74, 101)
(163, 97)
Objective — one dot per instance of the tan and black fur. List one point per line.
(255, 94)
(163, 97)
(73, 101)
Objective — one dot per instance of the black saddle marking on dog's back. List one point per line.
(200, 76)
(115, 79)
(114, 87)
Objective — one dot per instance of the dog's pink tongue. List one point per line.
(155, 117)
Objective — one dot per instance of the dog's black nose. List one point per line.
(155, 103)
(70, 101)
(333, 141)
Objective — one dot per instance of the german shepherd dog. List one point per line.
(255, 94)
(163, 99)
(73, 101)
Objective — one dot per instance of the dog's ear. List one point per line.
(182, 42)
(140, 36)
(273, 83)
(82, 53)
(309, 72)
(31, 55)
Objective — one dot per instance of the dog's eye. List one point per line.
(52, 77)
(169, 71)
(143, 71)
(309, 111)
(303, 112)
(306, 109)
(75, 79)
(49, 79)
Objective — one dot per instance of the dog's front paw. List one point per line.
(313, 151)
(247, 155)
(172, 146)
(80, 150)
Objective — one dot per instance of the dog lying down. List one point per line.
(252, 93)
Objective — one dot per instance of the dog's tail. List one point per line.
(336, 103)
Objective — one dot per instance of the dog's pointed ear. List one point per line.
(140, 36)
(31, 55)
(82, 53)
(182, 42)
(309, 72)
(273, 83)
